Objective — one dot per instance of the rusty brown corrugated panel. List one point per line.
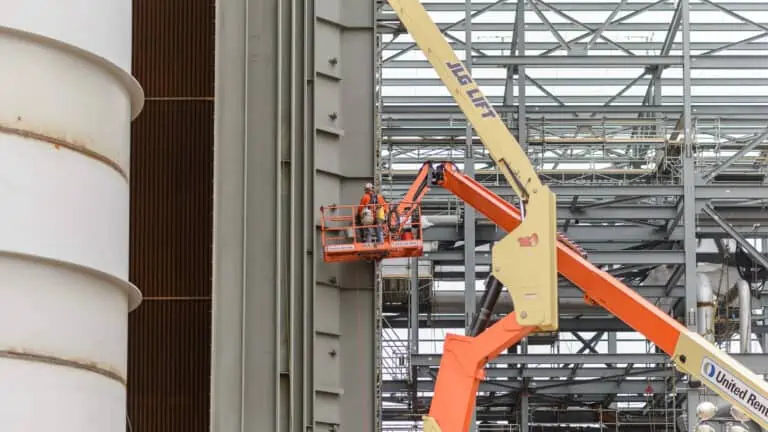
(171, 189)
(171, 216)
(169, 366)
(173, 46)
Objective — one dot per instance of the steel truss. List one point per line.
(601, 94)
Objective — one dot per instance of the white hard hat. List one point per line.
(368, 186)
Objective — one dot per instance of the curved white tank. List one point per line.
(66, 104)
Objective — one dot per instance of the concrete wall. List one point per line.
(293, 337)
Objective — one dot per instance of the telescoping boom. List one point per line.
(528, 259)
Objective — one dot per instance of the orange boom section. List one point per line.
(462, 368)
(598, 286)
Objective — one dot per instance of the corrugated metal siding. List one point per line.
(171, 216)
(173, 47)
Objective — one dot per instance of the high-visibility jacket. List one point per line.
(372, 199)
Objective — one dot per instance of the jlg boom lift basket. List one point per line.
(345, 238)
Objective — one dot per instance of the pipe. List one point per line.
(452, 302)
(745, 315)
(488, 302)
(443, 220)
(705, 308)
(68, 101)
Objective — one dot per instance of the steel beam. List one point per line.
(581, 373)
(575, 6)
(631, 387)
(704, 191)
(456, 322)
(587, 235)
(756, 111)
(698, 62)
(586, 81)
(502, 415)
(754, 362)
(581, 99)
(553, 419)
(650, 257)
(567, 291)
(737, 214)
(645, 27)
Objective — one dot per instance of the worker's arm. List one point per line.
(363, 203)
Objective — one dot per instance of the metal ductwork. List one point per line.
(68, 101)
(745, 315)
(705, 319)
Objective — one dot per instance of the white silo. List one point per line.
(66, 103)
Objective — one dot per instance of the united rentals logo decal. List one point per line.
(734, 387)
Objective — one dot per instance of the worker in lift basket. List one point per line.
(372, 211)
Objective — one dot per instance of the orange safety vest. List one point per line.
(375, 200)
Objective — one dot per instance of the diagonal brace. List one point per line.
(753, 253)
(736, 156)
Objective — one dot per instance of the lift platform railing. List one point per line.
(374, 231)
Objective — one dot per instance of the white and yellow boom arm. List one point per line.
(525, 260)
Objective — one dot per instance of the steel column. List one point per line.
(229, 283)
(689, 198)
(522, 116)
(263, 282)
(413, 320)
(469, 211)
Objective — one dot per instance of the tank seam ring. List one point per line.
(58, 361)
(57, 142)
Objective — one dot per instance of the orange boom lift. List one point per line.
(526, 261)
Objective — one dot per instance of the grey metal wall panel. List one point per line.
(329, 160)
(328, 10)
(356, 13)
(328, 115)
(328, 411)
(357, 98)
(328, 185)
(344, 115)
(293, 336)
(328, 53)
(327, 360)
(328, 300)
(357, 360)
